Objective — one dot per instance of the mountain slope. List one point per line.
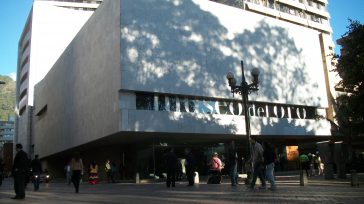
(7, 98)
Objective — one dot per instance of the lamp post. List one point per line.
(244, 89)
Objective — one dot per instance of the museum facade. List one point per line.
(142, 76)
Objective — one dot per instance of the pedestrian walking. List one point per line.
(1, 171)
(190, 167)
(215, 166)
(108, 170)
(282, 162)
(93, 173)
(320, 165)
(113, 172)
(68, 173)
(311, 167)
(36, 169)
(258, 163)
(269, 159)
(243, 165)
(179, 170)
(122, 170)
(171, 164)
(20, 171)
(316, 164)
(233, 164)
(305, 163)
(77, 171)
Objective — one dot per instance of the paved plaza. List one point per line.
(289, 191)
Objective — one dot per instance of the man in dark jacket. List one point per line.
(36, 169)
(171, 160)
(20, 171)
(269, 159)
(1, 171)
(190, 167)
(258, 163)
(233, 163)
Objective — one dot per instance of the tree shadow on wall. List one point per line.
(182, 47)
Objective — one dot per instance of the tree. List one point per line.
(7, 98)
(350, 67)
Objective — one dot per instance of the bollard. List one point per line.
(196, 178)
(137, 179)
(303, 178)
(354, 178)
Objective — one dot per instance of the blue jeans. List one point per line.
(269, 174)
(234, 173)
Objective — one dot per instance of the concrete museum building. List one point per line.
(50, 27)
(141, 76)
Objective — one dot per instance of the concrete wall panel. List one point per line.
(81, 91)
(53, 28)
(187, 47)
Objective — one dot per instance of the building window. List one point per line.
(22, 110)
(182, 105)
(324, 21)
(25, 76)
(301, 14)
(191, 105)
(318, 6)
(315, 18)
(172, 103)
(162, 103)
(25, 46)
(144, 101)
(24, 62)
(292, 11)
(23, 94)
(41, 114)
(265, 3)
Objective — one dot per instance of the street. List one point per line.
(289, 191)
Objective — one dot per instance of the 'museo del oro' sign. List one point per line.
(149, 101)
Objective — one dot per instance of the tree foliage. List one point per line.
(7, 98)
(350, 67)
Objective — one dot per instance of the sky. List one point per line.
(14, 13)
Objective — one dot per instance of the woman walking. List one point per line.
(77, 170)
(94, 169)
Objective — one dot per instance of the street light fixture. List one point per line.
(244, 89)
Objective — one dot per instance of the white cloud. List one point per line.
(12, 75)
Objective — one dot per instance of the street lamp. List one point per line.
(244, 89)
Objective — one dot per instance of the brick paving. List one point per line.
(289, 191)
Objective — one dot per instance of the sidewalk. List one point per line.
(317, 191)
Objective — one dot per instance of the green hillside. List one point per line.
(7, 97)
